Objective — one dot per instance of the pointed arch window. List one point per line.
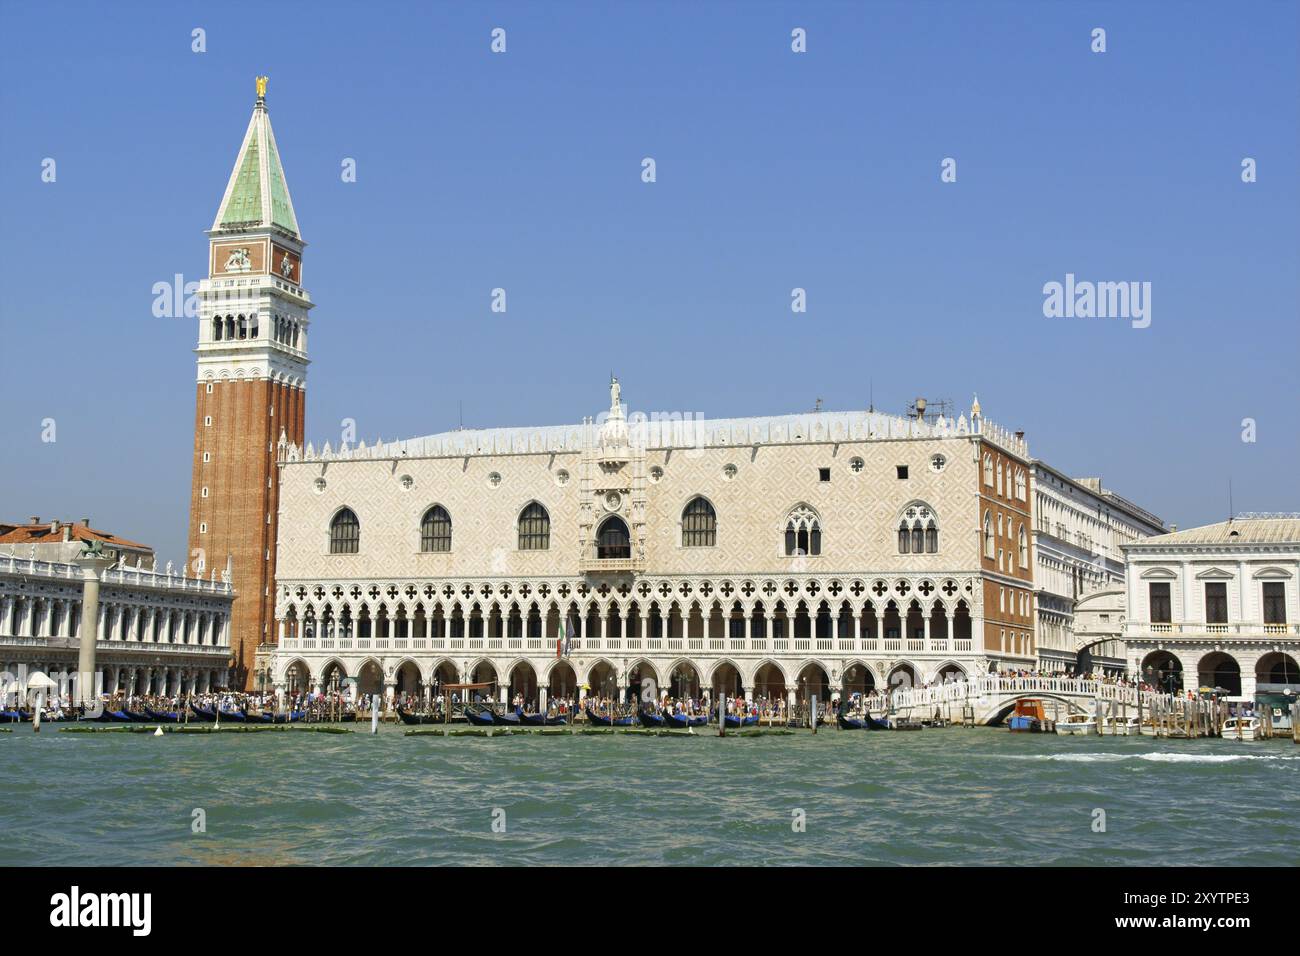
(988, 534)
(803, 532)
(435, 530)
(1023, 544)
(918, 530)
(988, 470)
(613, 539)
(345, 533)
(699, 524)
(534, 528)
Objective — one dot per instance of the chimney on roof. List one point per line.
(67, 532)
(86, 522)
(1021, 434)
(54, 526)
(36, 519)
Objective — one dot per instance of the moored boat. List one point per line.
(1028, 717)
(205, 714)
(406, 717)
(11, 717)
(163, 716)
(850, 723)
(478, 718)
(1240, 728)
(649, 720)
(509, 719)
(596, 720)
(1076, 725)
(533, 720)
(1121, 727)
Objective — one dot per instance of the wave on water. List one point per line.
(1153, 757)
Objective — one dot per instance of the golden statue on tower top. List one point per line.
(261, 86)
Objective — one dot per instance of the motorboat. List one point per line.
(1028, 717)
(1121, 727)
(1076, 725)
(1240, 728)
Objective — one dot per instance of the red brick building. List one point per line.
(252, 369)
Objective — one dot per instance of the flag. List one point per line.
(568, 634)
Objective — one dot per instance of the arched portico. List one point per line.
(1162, 670)
(562, 682)
(725, 680)
(813, 683)
(370, 677)
(407, 678)
(948, 672)
(332, 676)
(770, 682)
(1220, 672)
(684, 680)
(903, 676)
(859, 678)
(523, 683)
(297, 677)
(1276, 671)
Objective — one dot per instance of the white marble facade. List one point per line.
(158, 632)
(1079, 530)
(732, 609)
(1217, 605)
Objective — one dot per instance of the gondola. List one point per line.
(406, 717)
(138, 716)
(533, 720)
(205, 714)
(510, 719)
(733, 722)
(477, 718)
(557, 720)
(685, 721)
(163, 716)
(234, 716)
(11, 717)
(649, 720)
(596, 720)
(850, 723)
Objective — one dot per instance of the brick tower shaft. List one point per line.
(252, 369)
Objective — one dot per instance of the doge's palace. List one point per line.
(785, 556)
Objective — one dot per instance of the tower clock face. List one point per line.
(613, 501)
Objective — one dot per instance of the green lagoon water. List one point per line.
(954, 796)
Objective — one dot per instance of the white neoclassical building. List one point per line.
(781, 556)
(1080, 528)
(158, 631)
(1217, 606)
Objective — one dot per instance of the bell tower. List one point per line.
(252, 373)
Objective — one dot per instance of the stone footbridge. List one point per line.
(990, 699)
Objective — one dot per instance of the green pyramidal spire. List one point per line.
(257, 195)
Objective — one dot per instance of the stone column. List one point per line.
(91, 569)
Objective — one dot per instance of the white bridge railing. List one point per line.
(991, 688)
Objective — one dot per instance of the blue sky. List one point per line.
(775, 170)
